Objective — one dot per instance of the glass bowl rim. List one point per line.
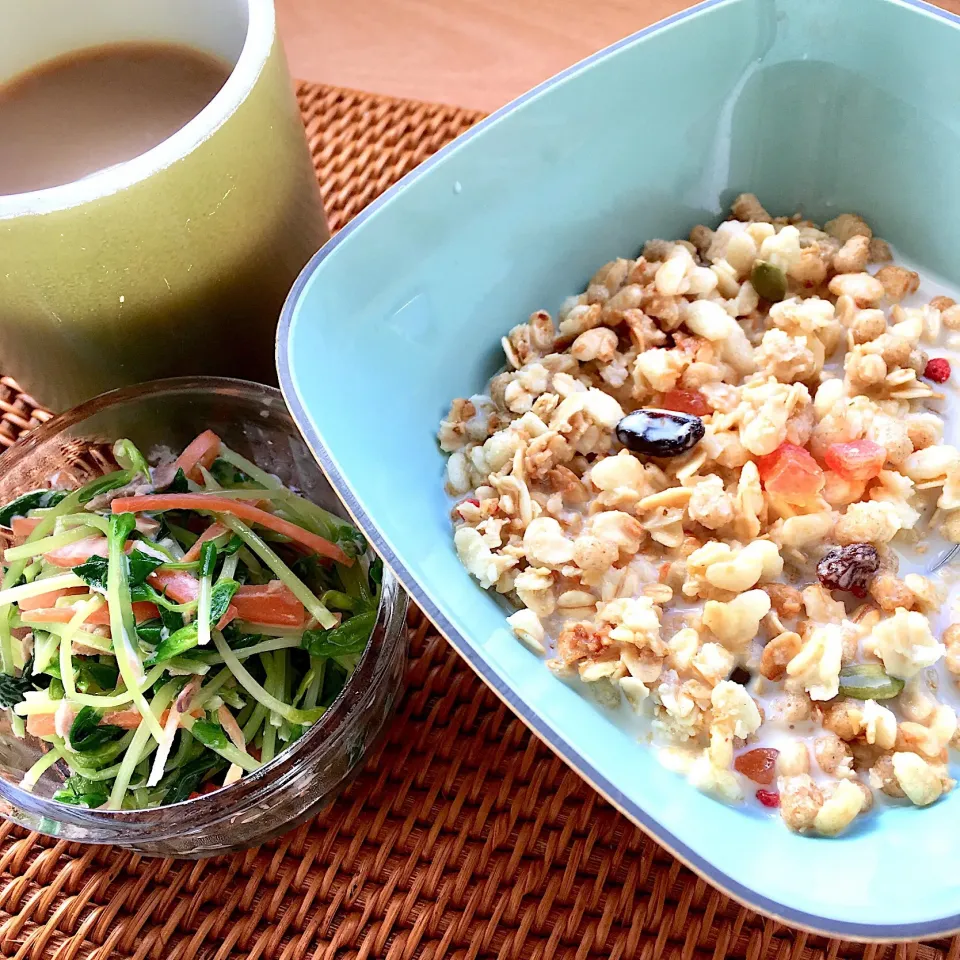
(257, 786)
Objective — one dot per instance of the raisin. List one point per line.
(660, 433)
(849, 568)
(769, 798)
(757, 765)
(741, 675)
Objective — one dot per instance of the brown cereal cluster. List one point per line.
(684, 584)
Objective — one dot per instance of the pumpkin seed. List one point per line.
(868, 681)
(769, 281)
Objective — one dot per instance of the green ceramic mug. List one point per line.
(178, 261)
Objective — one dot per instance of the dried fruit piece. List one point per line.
(849, 568)
(769, 281)
(660, 433)
(937, 370)
(868, 681)
(758, 765)
(741, 675)
(791, 473)
(686, 401)
(769, 798)
(856, 460)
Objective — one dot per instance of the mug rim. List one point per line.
(257, 44)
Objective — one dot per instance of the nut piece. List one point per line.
(778, 653)
(891, 593)
(787, 601)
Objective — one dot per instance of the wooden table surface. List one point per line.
(470, 53)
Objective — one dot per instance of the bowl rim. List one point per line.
(577, 761)
(156, 824)
(258, 40)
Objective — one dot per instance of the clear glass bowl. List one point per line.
(295, 785)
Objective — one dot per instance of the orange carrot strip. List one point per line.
(211, 533)
(272, 604)
(201, 452)
(73, 554)
(211, 503)
(181, 586)
(43, 600)
(44, 724)
(24, 526)
(142, 610)
(228, 617)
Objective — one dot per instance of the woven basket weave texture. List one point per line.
(463, 837)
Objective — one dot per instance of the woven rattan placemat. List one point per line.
(463, 837)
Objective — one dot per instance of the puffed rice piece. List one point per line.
(478, 558)
(839, 809)
(871, 521)
(904, 643)
(815, 670)
(879, 725)
(635, 621)
(736, 623)
(848, 225)
(918, 780)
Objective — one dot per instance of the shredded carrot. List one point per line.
(211, 533)
(272, 604)
(43, 600)
(73, 554)
(201, 452)
(44, 724)
(143, 610)
(231, 615)
(211, 503)
(181, 586)
(23, 526)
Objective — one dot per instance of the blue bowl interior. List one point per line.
(812, 104)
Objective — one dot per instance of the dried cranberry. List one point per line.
(937, 370)
(472, 500)
(769, 798)
(849, 568)
(757, 765)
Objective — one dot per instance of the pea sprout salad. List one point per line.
(166, 630)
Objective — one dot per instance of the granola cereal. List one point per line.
(697, 485)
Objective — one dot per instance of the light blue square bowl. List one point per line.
(820, 105)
